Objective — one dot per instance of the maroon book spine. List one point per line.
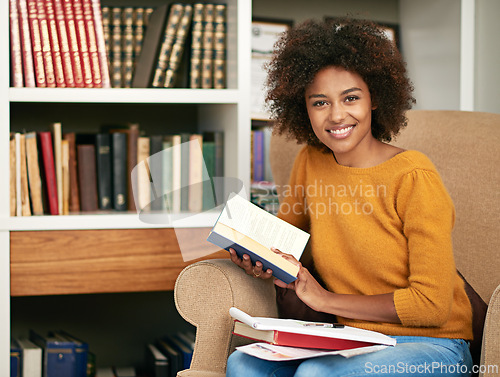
(48, 63)
(49, 171)
(55, 45)
(88, 18)
(83, 43)
(62, 33)
(73, 42)
(36, 44)
(24, 27)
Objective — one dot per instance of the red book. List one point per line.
(49, 171)
(16, 63)
(303, 334)
(48, 63)
(83, 46)
(54, 44)
(36, 44)
(73, 42)
(88, 17)
(24, 27)
(62, 34)
(101, 43)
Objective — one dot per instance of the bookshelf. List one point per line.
(114, 252)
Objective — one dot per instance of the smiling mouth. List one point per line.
(341, 131)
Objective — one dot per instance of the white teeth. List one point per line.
(341, 131)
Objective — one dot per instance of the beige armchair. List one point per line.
(465, 148)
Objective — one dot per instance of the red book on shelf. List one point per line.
(54, 44)
(73, 41)
(62, 34)
(88, 17)
(49, 171)
(16, 62)
(27, 53)
(36, 44)
(48, 63)
(83, 46)
(101, 43)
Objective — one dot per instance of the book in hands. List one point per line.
(248, 229)
(304, 334)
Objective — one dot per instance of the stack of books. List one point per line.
(57, 43)
(170, 354)
(184, 46)
(56, 354)
(60, 173)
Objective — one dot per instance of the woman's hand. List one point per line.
(246, 264)
(306, 286)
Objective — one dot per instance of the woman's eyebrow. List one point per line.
(344, 92)
(350, 90)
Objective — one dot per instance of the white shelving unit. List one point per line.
(222, 109)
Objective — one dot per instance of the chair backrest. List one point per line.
(465, 147)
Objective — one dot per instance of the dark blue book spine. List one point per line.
(15, 360)
(119, 148)
(226, 244)
(258, 156)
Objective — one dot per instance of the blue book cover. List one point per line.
(59, 356)
(185, 351)
(15, 359)
(81, 352)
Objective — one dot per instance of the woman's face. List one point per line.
(340, 110)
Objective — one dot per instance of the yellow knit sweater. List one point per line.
(379, 230)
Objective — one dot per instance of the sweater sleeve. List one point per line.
(427, 213)
(293, 207)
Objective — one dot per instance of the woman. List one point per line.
(380, 217)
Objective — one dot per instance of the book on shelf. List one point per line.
(177, 52)
(36, 43)
(119, 170)
(175, 14)
(81, 350)
(305, 334)
(27, 52)
(174, 356)
(250, 230)
(49, 171)
(74, 196)
(104, 170)
(56, 130)
(16, 62)
(157, 363)
(48, 62)
(15, 359)
(87, 176)
(59, 355)
(31, 356)
(55, 44)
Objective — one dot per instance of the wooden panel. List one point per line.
(100, 261)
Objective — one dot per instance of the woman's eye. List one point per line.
(319, 103)
(351, 98)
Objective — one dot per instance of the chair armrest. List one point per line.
(490, 354)
(204, 291)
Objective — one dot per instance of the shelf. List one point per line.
(97, 261)
(109, 220)
(135, 95)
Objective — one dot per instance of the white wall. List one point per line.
(430, 36)
(487, 63)
(299, 10)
